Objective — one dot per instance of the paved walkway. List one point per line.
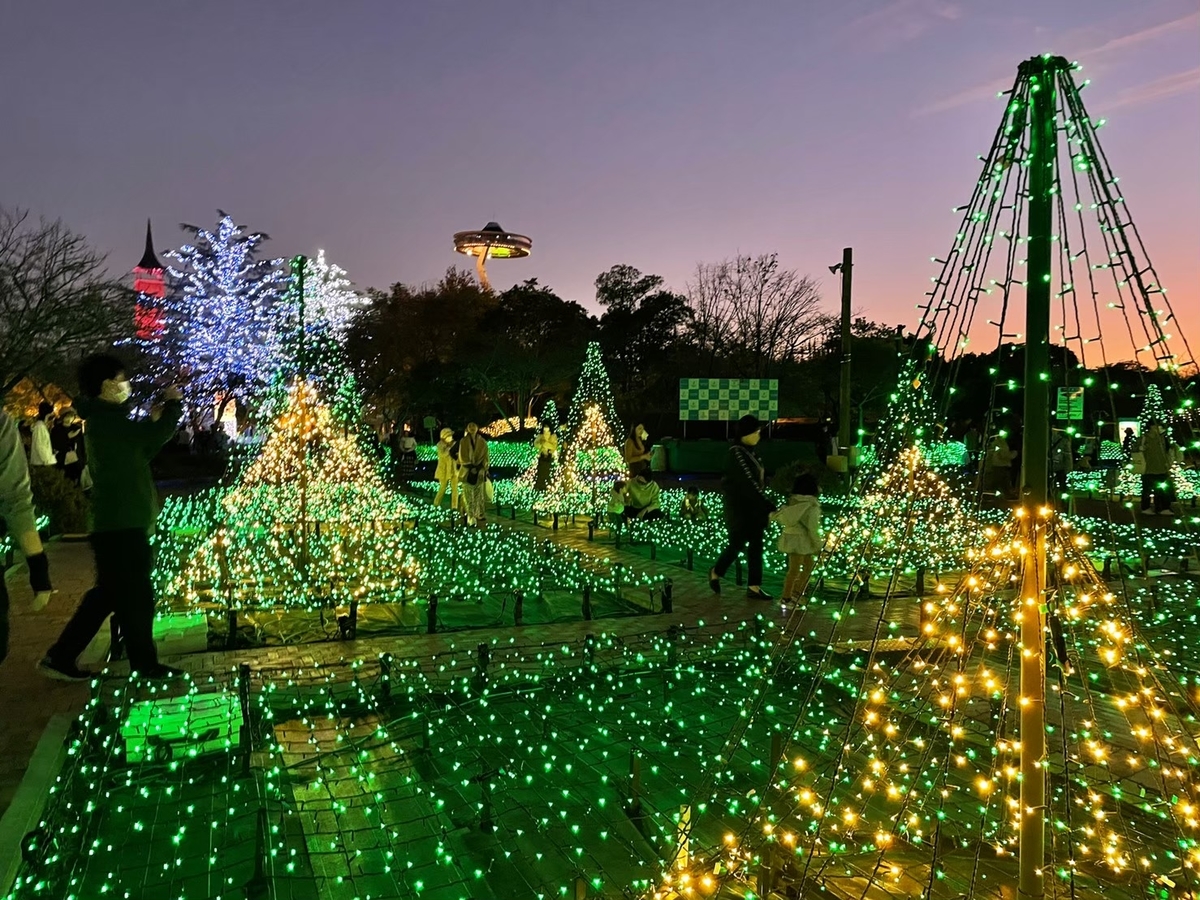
(28, 699)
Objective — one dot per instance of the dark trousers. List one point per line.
(1158, 488)
(750, 539)
(124, 590)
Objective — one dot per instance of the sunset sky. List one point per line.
(657, 134)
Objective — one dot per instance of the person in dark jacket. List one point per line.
(66, 437)
(747, 507)
(124, 507)
(16, 510)
(1156, 479)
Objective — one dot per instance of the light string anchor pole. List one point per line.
(1043, 153)
(846, 267)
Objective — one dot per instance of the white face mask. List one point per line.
(116, 391)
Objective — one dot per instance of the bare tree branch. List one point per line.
(56, 300)
(751, 312)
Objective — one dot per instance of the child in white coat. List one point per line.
(801, 537)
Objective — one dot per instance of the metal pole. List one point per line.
(847, 269)
(299, 264)
(1043, 146)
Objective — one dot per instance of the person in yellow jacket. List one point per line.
(447, 469)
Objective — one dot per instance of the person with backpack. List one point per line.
(747, 507)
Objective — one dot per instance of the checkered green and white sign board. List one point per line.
(728, 399)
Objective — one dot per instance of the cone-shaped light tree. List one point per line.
(309, 520)
(591, 458)
(908, 520)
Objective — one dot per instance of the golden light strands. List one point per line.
(918, 754)
(910, 519)
(310, 523)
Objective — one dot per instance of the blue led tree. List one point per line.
(221, 313)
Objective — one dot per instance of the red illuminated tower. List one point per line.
(149, 281)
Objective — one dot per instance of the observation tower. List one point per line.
(493, 242)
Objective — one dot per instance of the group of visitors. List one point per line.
(1001, 462)
(1150, 454)
(205, 438)
(635, 499)
(748, 510)
(55, 440)
(124, 507)
(462, 472)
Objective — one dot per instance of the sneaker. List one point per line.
(159, 672)
(714, 581)
(1149, 512)
(759, 594)
(61, 671)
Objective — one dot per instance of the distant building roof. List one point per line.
(149, 259)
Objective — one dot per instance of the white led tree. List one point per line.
(329, 295)
(221, 313)
(310, 344)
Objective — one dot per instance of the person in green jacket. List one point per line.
(124, 507)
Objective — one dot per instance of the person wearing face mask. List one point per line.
(747, 510)
(124, 507)
(637, 454)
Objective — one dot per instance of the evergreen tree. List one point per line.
(329, 296)
(308, 522)
(908, 520)
(221, 313)
(1154, 410)
(591, 456)
(909, 419)
(594, 389)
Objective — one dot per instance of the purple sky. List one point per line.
(656, 134)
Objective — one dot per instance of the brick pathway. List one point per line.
(27, 699)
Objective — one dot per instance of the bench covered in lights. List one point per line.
(174, 728)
